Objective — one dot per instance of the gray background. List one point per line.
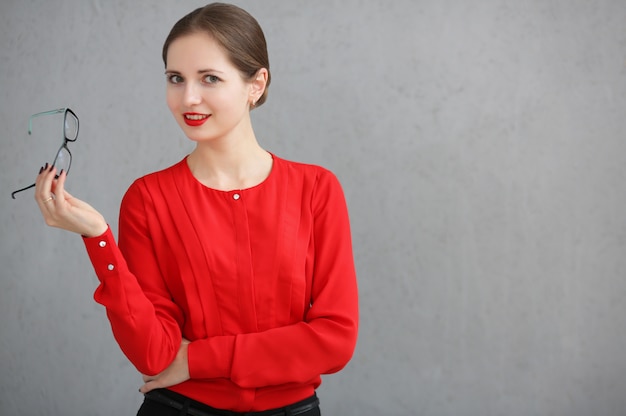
(481, 146)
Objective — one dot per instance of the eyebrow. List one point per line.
(200, 71)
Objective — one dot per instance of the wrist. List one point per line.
(97, 230)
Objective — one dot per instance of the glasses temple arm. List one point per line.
(20, 190)
(43, 113)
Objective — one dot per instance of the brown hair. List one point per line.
(235, 30)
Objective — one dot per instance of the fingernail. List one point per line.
(51, 167)
(61, 173)
(40, 170)
(46, 167)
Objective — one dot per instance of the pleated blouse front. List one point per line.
(260, 280)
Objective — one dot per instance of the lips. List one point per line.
(195, 119)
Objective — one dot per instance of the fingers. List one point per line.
(43, 187)
(58, 187)
(150, 383)
(51, 191)
(148, 387)
(50, 194)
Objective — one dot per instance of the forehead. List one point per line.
(197, 51)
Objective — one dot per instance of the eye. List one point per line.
(211, 79)
(174, 78)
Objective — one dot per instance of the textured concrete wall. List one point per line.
(481, 145)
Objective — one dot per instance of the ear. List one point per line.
(257, 85)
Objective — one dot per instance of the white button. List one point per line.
(110, 267)
(103, 243)
(236, 197)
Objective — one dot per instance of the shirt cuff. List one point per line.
(104, 254)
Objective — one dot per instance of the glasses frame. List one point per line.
(66, 139)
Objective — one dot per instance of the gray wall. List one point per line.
(481, 145)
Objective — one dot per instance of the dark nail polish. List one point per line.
(40, 170)
(46, 167)
(51, 167)
(61, 173)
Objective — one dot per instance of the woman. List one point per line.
(232, 287)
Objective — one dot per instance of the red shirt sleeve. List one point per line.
(145, 322)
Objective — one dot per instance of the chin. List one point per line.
(198, 136)
(195, 137)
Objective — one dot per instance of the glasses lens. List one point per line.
(71, 126)
(63, 160)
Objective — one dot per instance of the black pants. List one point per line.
(183, 406)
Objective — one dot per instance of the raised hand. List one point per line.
(62, 210)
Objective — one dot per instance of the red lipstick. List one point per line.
(195, 119)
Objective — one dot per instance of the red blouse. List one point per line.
(260, 280)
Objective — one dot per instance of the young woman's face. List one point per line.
(205, 92)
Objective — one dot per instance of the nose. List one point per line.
(192, 94)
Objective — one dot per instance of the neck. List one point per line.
(230, 165)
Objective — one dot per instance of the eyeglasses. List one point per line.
(63, 157)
